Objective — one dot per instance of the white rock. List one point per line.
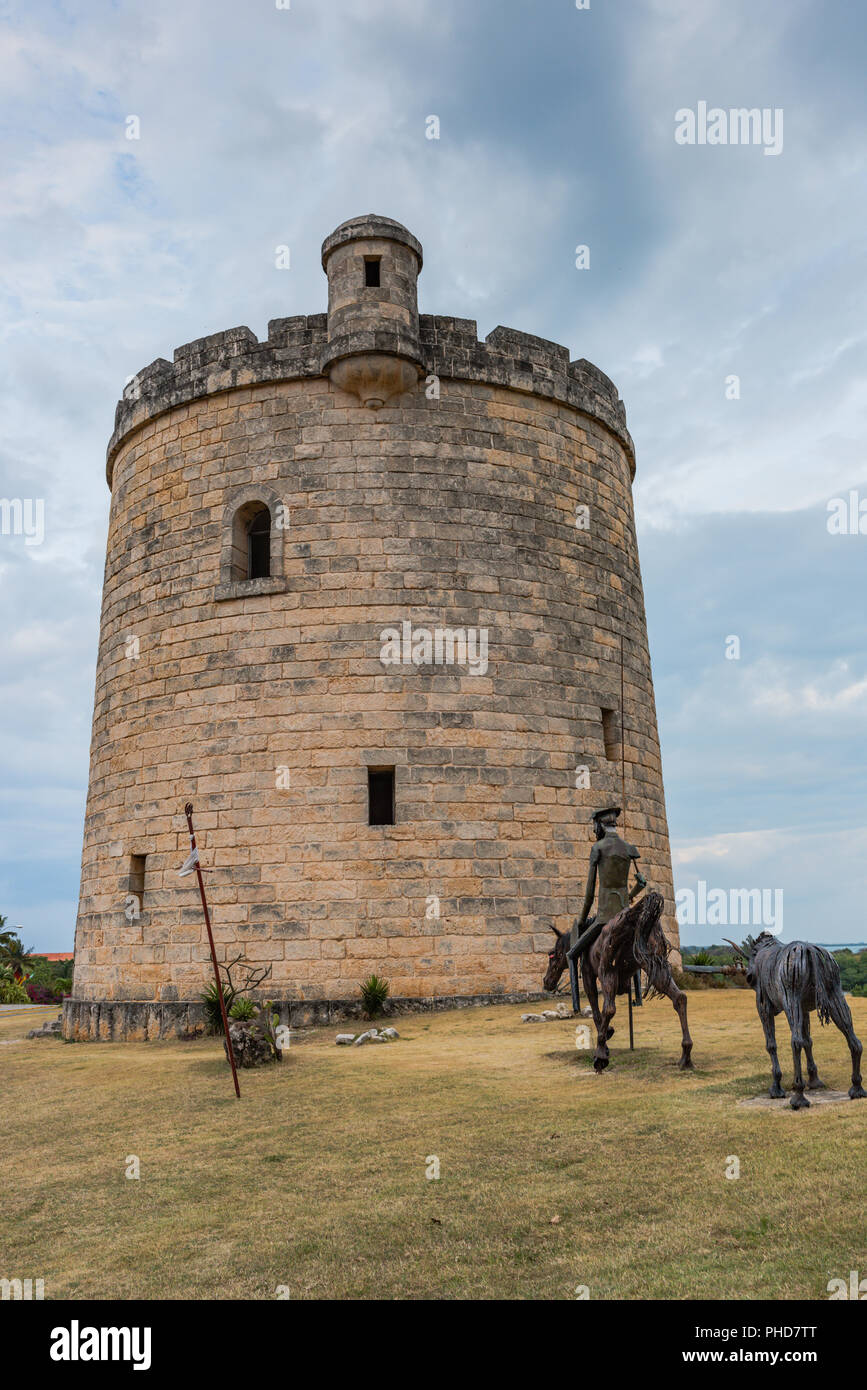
(344, 1039)
(389, 1033)
(363, 1038)
(532, 1018)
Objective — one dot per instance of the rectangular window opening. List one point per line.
(610, 735)
(380, 796)
(136, 881)
(371, 272)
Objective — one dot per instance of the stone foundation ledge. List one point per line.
(120, 1020)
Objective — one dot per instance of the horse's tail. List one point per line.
(810, 967)
(826, 980)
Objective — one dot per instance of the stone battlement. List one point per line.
(296, 346)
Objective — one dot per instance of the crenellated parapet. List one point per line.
(298, 348)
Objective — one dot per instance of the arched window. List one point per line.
(251, 542)
(259, 545)
(251, 559)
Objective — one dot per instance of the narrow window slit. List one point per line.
(380, 796)
(136, 881)
(610, 735)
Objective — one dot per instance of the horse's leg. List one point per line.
(795, 1015)
(678, 999)
(609, 1008)
(591, 989)
(842, 1016)
(573, 983)
(814, 1082)
(767, 1017)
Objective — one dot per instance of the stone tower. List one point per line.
(365, 591)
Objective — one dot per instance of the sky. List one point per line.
(261, 126)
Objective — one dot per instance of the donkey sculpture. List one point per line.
(795, 978)
(631, 941)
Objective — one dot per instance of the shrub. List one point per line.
(374, 993)
(254, 977)
(11, 992)
(242, 1008)
(267, 1022)
(40, 994)
(703, 958)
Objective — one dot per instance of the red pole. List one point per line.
(188, 812)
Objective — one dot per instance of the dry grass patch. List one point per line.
(316, 1179)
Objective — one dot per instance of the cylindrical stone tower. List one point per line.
(366, 591)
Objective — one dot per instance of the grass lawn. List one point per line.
(316, 1179)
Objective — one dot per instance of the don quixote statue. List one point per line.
(618, 942)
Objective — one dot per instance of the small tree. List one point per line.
(211, 999)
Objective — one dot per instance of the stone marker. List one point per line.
(52, 1028)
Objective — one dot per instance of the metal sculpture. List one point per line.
(631, 941)
(611, 860)
(796, 978)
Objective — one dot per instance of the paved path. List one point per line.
(11, 1008)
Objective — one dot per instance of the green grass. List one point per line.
(316, 1178)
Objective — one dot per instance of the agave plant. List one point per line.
(374, 992)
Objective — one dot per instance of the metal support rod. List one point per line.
(637, 979)
(622, 742)
(188, 812)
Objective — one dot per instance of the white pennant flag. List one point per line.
(189, 864)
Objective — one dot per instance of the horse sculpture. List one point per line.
(795, 978)
(631, 941)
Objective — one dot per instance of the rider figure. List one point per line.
(611, 859)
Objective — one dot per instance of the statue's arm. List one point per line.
(641, 881)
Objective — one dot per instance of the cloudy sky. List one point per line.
(262, 126)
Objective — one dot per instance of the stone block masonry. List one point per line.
(411, 475)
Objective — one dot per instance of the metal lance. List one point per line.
(188, 812)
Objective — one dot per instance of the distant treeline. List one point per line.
(853, 964)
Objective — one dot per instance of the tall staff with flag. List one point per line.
(190, 865)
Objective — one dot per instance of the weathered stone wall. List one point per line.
(266, 706)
